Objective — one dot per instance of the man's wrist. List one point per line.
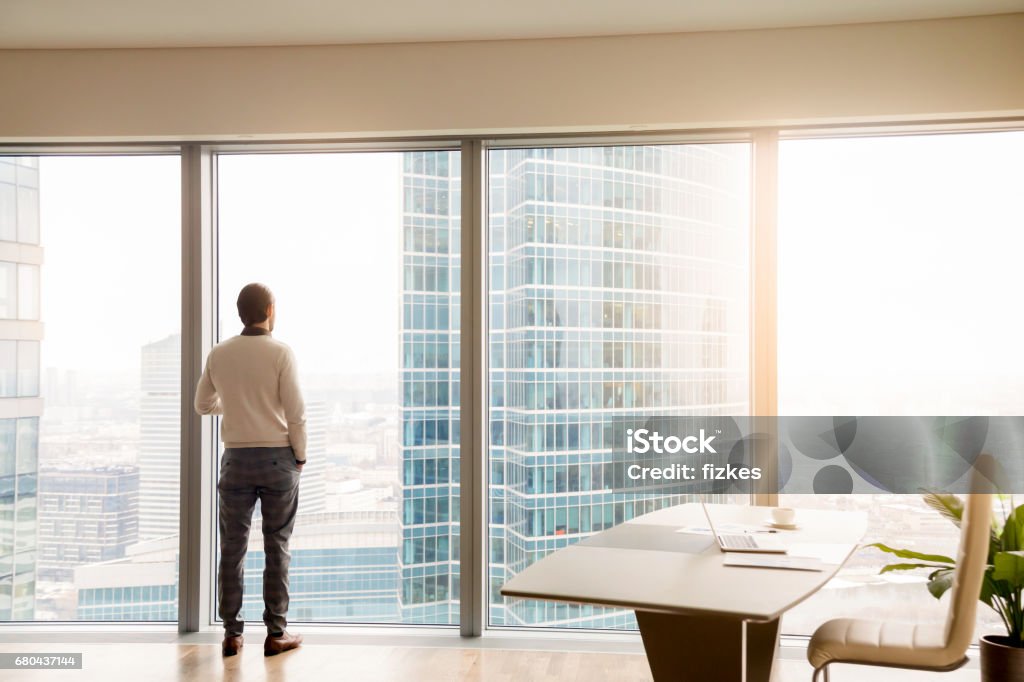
(300, 462)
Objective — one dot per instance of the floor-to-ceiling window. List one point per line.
(899, 284)
(90, 291)
(362, 252)
(617, 284)
(618, 288)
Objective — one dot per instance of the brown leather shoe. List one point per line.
(272, 646)
(231, 645)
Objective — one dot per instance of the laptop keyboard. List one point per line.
(737, 542)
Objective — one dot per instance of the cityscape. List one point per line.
(618, 286)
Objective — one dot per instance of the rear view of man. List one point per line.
(251, 380)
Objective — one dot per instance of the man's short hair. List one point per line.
(253, 301)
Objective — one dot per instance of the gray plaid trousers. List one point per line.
(272, 476)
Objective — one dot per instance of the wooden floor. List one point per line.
(202, 662)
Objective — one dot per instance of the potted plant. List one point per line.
(1002, 657)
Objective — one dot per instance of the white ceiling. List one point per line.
(189, 23)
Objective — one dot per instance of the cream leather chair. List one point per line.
(920, 647)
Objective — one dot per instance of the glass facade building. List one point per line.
(618, 287)
(343, 569)
(20, 404)
(429, 515)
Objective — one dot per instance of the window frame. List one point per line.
(26, 329)
(199, 301)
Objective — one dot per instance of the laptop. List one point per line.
(743, 542)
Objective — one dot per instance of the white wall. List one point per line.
(894, 71)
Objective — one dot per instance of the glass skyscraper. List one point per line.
(160, 443)
(618, 288)
(20, 403)
(429, 515)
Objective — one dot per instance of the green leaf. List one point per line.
(908, 554)
(939, 582)
(988, 590)
(1012, 538)
(909, 567)
(950, 506)
(1009, 568)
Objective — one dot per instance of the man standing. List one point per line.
(251, 380)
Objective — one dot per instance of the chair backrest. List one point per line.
(971, 562)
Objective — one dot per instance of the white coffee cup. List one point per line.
(784, 516)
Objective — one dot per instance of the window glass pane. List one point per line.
(8, 208)
(28, 176)
(28, 445)
(70, 509)
(8, 368)
(8, 528)
(28, 214)
(899, 276)
(362, 253)
(8, 290)
(623, 292)
(28, 367)
(8, 447)
(28, 292)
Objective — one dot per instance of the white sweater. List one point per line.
(253, 382)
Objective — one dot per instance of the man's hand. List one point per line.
(300, 464)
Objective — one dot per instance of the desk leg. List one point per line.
(707, 648)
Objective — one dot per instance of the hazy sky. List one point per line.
(323, 231)
(111, 276)
(896, 256)
(900, 268)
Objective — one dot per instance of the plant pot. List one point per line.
(1001, 662)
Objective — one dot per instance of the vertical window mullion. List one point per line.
(473, 391)
(197, 295)
(764, 303)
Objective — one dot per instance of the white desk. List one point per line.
(699, 619)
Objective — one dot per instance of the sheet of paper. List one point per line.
(790, 563)
(725, 529)
(825, 552)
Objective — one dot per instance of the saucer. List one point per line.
(783, 526)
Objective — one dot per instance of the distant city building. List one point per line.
(85, 516)
(141, 586)
(343, 568)
(20, 403)
(313, 487)
(160, 439)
